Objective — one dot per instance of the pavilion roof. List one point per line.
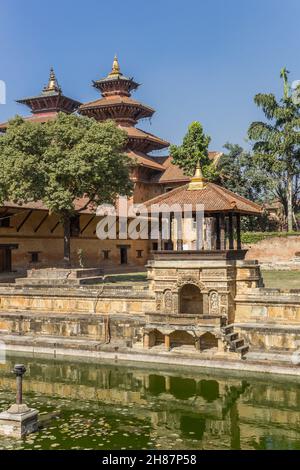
(213, 197)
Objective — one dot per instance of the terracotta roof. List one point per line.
(145, 160)
(173, 173)
(113, 101)
(214, 198)
(134, 132)
(38, 205)
(40, 117)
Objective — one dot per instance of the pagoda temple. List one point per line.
(32, 237)
(45, 106)
(116, 103)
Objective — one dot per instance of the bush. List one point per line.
(255, 237)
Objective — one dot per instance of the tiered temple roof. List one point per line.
(116, 103)
(48, 104)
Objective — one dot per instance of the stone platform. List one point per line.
(18, 421)
(61, 277)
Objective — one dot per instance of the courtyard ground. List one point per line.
(282, 279)
(272, 279)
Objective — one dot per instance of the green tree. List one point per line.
(69, 164)
(239, 172)
(277, 144)
(194, 149)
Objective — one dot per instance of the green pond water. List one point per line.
(88, 405)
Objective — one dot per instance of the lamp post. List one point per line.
(19, 370)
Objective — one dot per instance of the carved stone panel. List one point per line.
(168, 301)
(213, 273)
(214, 303)
(159, 298)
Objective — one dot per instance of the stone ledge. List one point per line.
(269, 328)
(169, 359)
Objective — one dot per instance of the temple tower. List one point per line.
(116, 103)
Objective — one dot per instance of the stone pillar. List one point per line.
(199, 231)
(159, 240)
(222, 233)
(230, 226)
(238, 231)
(220, 345)
(146, 340)
(167, 342)
(168, 383)
(19, 370)
(218, 233)
(208, 233)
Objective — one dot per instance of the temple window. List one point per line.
(139, 253)
(105, 254)
(34, 256)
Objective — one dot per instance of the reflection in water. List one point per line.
(99, 406)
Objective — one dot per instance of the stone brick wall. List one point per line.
(274, 249)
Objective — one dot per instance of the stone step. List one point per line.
(59, 282)
(228, 329)
(243, 349)
(237, 343)
(231, 336)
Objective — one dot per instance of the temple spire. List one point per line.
(198, 181)
(52, 83)
(115, 68)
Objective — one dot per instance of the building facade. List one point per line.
(31, 237)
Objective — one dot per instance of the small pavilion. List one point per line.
(196, 282)
(219, 228)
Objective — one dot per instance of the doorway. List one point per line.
(123, 255)
(5, 260)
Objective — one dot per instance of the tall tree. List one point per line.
(239, 172)
(194, 149)
(69, 164)
(277, 143)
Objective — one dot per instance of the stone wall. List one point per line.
(275, 249)
(76, 301)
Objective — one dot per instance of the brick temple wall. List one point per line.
(274, 249)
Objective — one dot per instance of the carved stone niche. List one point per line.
(214, 303)
(159, 301)
(189, 280)
(168, 301)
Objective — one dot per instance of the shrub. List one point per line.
(255, 237)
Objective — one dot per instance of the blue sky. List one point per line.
(196, 59)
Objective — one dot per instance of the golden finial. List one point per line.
(115, 68)
(198, 181)
(52, 83)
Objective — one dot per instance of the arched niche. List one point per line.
(180, 338)
(190, 300)
(156, 338)
(208, 341)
